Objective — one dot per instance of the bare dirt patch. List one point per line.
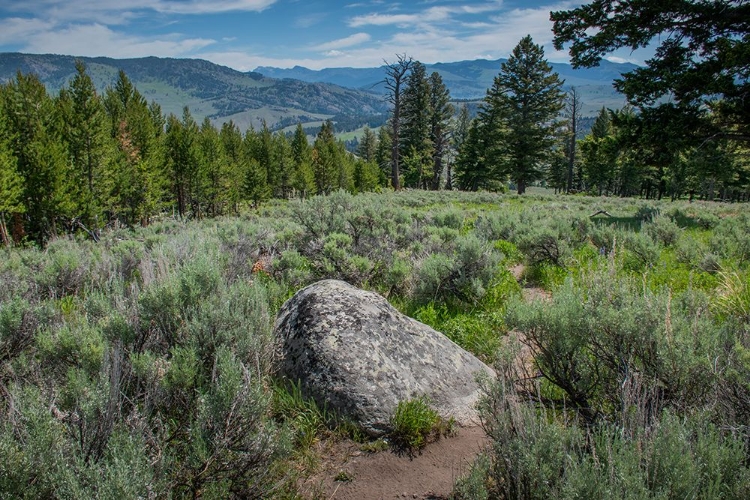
(528, 291)
(389, 475)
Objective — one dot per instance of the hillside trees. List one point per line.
(78, 161)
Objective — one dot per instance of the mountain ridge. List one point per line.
(209, 90)
(470, 79)
(284, 97)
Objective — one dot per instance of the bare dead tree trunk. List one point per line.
(395, 76)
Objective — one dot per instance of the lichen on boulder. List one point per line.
(353, 352)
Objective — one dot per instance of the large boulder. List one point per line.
(351, 351)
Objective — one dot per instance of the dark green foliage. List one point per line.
(699, 62)
(515, 133)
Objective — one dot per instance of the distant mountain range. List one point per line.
(207, 89)
(284, 97)
(471, 79)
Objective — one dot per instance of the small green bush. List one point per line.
(414, 423)
(662, 230)
(463, 277)
(647, 212)
(545, 246)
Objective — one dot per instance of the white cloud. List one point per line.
(310, 20)
(15, 28)
(436, 34)
(210, 7)
(77, 40)
(342, 43)
(119, 11)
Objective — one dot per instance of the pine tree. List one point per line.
(35, 143)
(303, 179)
(213, 171)
(416, 145)
(182, 160)
(255, 178)
(573, 111)
(326, 159)
(283, 163)
(88, 143)
(441, 112)
(232, 151)
(474, 170)
(526, 97)
(460, 133)
(11, 189)
(135, 176)
(598, 154)
(368, 145)
(383, 153)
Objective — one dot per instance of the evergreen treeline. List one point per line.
(525, 132)
(79, 161)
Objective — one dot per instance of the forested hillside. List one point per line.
(209, 90)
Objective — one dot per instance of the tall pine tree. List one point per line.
(527, 99)
(441, 112)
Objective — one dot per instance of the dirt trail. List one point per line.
(387, 475)
(529, 292)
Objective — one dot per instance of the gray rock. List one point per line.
(353, 352)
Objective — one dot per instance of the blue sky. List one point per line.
(244, 34)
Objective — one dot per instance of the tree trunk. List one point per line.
(4, 230)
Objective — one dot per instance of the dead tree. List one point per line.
(395, 77)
